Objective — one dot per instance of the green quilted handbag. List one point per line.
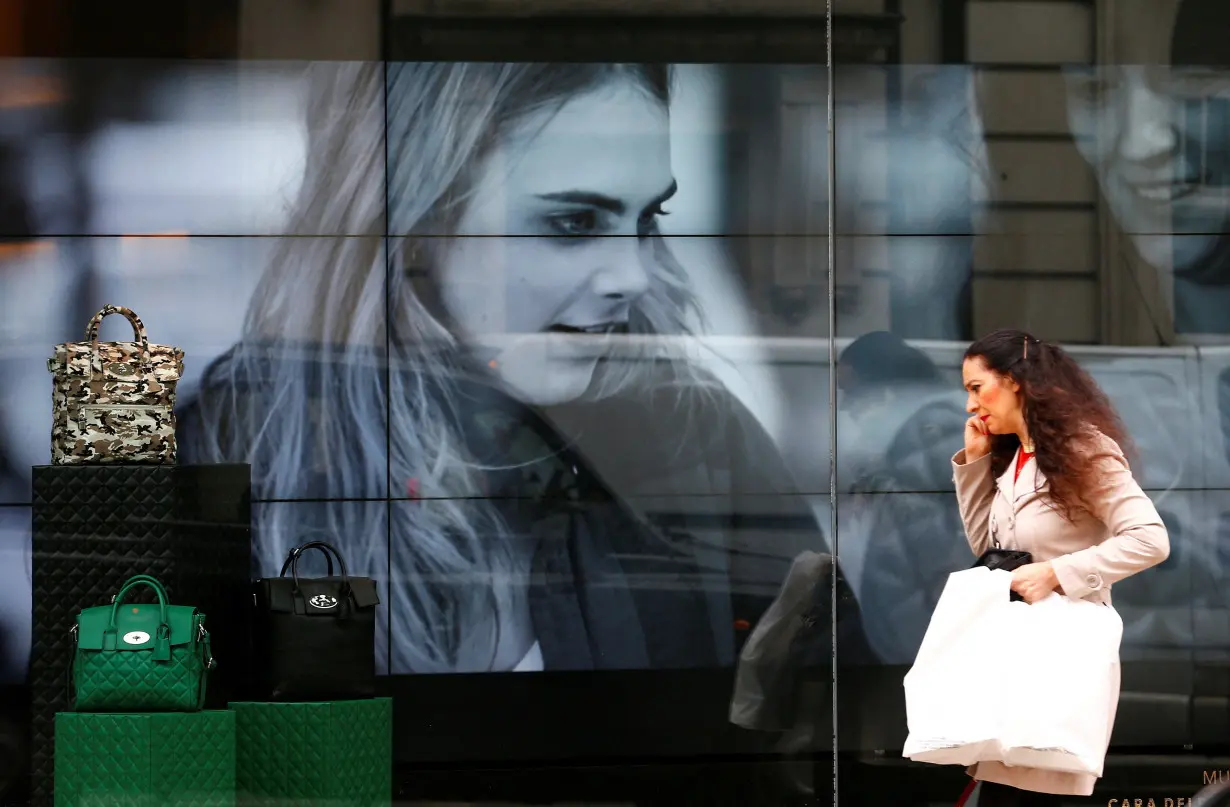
(140, 658)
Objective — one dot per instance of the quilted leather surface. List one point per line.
(96, 526)
(117, 760)
(134, 682)
(313, 754)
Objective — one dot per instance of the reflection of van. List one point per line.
(1176, 405)
(1176, 648)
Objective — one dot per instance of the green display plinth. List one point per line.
(145, 760)
(338, 754)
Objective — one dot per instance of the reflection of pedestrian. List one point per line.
(880, 380)
(878, 360)
(896, 425)
(527, 395)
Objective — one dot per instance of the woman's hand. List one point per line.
(1034, 581)
(977, 439)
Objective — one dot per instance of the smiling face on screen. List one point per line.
(554, 249)
(1152, 129)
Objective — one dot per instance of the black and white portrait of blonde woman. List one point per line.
(464, 370)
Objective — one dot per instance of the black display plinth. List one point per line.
(93, 527)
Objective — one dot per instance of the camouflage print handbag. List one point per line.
(113, 402)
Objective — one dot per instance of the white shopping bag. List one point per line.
(1029, 685)
(1066, 657)
(952, 690)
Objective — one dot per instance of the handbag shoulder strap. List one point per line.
(207, 659)
(70, 692)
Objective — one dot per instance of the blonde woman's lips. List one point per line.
(598, 329)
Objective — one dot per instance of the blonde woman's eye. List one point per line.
(654, 212)
(580, 224)
(648, 222)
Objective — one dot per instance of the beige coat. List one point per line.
(1123, 536)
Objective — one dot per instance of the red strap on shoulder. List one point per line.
(969, 791)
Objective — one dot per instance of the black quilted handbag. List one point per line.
(314, 638)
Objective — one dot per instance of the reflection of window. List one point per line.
(1223, 409)
(800, 195)
(1206, 122)
(801, 198)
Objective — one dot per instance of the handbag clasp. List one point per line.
(323, 602)
(121, 369)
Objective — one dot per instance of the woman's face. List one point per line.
(992, 397)
(553, 252)
(1156, 135)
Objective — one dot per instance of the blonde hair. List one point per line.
(339, 291)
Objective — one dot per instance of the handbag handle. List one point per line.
(324, 547)
(138, 329)
(162, 642)
(299, 550)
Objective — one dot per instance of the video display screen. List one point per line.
(495, 330)
(545, 348)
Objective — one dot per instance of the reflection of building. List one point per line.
(1039, 265)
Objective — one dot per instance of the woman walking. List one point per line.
(1043, 471)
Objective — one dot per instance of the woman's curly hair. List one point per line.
(1064, 410)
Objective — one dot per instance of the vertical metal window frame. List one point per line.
(831, 147)
(385, 27)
